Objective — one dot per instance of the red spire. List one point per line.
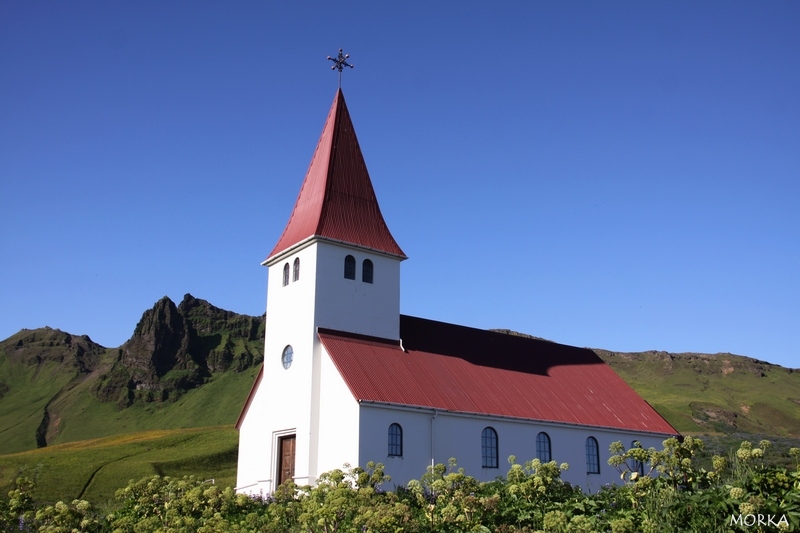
(337, 200)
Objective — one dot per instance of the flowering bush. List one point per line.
(661, 491)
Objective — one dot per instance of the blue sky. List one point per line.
(623, 175)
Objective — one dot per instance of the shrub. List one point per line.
(673, 494)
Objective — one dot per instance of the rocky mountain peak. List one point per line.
(159, 342)
(177, 348)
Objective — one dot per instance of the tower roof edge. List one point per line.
(337, 200)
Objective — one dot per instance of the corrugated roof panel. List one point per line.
(475, 371)
(337, 200)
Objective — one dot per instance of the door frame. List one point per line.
(277, 436)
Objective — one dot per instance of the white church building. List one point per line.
(348, 379)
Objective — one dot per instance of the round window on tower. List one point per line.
(287, 356)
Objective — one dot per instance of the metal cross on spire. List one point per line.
(339, 63)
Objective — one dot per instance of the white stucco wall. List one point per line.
(253, 468)
(338, 420)
(282, 404)
(310, 399)
(459, 436)
(352, 305)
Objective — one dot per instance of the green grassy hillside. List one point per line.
(185, 366)
(36, 368)
(93, 470)
(74, 412)
(714, 394)
(218, 402)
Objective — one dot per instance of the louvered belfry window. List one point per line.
(366, 271)
(350, 267)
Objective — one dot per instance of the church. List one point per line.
(348, 379)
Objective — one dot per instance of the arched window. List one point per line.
(349, 267)
(638, 466)
(543, 447)
(286, 274)
(366, 271)
(489, 451)
(296, 273)
(395, 440)
(592, 456)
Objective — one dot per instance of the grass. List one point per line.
(214, 404)
(719, 395)
(95, 469)
(22, 407)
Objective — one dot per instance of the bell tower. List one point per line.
(335, 266)
(336, 262)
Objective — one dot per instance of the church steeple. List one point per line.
(336, 201)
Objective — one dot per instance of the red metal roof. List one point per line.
(468, 370)
(337, 200)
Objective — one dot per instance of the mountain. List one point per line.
(190, 365)
(176, 349)
(719, 393)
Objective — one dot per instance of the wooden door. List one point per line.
(286, 458)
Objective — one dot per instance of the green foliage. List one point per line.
(677, 495)
(63, 518)
(450, 500)
(351, 500)
(687, 497)
(163, 503)
(19, 513)
(534, 494)
(19, 507)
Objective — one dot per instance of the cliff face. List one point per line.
(160, 343)
(222, 340)
(177, 348)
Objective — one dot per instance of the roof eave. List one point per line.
(275, 258)
(513, 418)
